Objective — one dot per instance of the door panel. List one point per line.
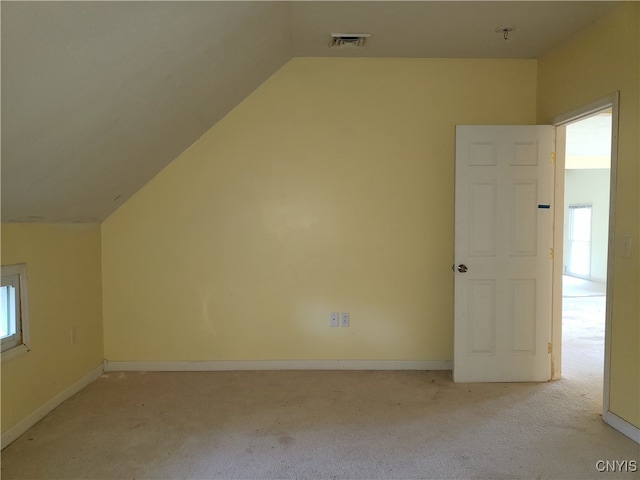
(525, 221)
(482, 218)
(503, 236)
(482, 316)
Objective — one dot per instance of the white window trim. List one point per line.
(21, 271)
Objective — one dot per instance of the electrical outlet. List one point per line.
(333, 319)
(344, 319)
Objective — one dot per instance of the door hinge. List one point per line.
(551, 254)
(553, 157)
(549, 347)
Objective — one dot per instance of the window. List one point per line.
(580, 241)
(13, 311)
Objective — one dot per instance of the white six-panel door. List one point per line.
(503, 258)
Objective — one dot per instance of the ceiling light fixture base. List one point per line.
(505, 31)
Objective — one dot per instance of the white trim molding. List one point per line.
(25, 424)
(236, 365)
(622, 426)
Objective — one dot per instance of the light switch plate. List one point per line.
(626, 247)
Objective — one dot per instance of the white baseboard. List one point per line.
(206, 366)
(14, 432)
(622, 426)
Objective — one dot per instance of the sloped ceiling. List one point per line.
(98, 97)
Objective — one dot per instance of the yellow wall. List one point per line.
(594, 64)
(330, 188)
(64, 290)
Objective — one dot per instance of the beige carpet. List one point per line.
(297, 424)
(583, 340)
(579, 287)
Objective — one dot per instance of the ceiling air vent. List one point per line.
(348, 40)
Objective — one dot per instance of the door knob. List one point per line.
(462, 268)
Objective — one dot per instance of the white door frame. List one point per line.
(560, 122)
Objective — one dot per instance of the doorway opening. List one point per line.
(587, 177)
(586, 225)
(586, 143)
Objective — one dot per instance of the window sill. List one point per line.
(14, 353)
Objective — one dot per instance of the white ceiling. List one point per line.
(97, 97)
(454, 29)
(588, 143)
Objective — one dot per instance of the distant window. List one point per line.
(13, 311)
(580, 241)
